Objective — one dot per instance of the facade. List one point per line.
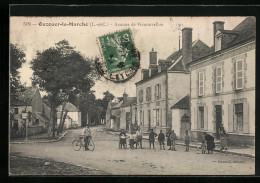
(73, 118)
(28, 109)
(110, 121)
(223, 84)
(164, 84)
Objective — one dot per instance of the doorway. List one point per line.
(185, 125)
(218, 119)
(149, 120)
(127, 121)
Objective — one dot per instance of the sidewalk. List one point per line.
(40, 138)
(235, 150)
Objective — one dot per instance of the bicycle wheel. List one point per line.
(91, 145)
(76, 145)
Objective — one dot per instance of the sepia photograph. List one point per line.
(147, 95)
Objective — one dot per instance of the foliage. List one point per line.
(59, 71)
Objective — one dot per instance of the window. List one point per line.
(157, 91)
(36, 122)
(238, 124)
(201, 83)
(148, 94)
(218, 79)
(201, 116)
(239, 77)
(15, 110)
(156, 117)
(140, 96)
(15, 125)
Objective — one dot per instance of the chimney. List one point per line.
(187, 45)
(124, 97)
(153, 57)
(217, 25)
(145, 74)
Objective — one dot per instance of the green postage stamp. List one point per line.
(120, 59)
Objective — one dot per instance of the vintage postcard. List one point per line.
(132, 95)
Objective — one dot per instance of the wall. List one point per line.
(32, 130)
(178, 88)
(228, 95)
(177, 115)
(153, 104)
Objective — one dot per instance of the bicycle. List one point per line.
(77, 144)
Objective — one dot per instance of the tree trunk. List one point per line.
(63, 120)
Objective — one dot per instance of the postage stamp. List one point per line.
(120, 58)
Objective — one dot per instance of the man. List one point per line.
(152, 136)
(173, 138)
(223, 137)
(210, 142)
(161, 139)
(87, 136)
(139, 136)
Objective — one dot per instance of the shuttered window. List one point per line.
(156, 117)
(141, 117)
(148, 94)
(201, 116)
(239, 74)
(140, 96)
(238, 125)
(218, 79)
(157, 91)
(201, 83)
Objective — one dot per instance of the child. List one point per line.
(203, 147)
(132, 140)
(173, 138)
(187, 141)
(161, 139)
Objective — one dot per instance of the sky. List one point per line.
(33, 34)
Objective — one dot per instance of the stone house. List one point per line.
(28, 109)
(223, 84)
(73, 118)
(165, 83)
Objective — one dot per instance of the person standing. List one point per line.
(161, 139)
(139, 137)
(223, 137)
(203, 147)
(210, 143)
(87, 136)
(173, 138)
(132, 140)
(187, 141)
(152, 136)
(168, 134)
(122, 139)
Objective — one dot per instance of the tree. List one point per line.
(60, 70)
(17, 58)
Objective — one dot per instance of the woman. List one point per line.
(210, 142)
(168, 139)
(223, 137)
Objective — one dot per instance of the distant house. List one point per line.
(122, 115)
(73, 118)
(110, 121)
(28, 109)
(165, 83)
(223, 84)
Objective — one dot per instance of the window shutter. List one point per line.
(206, 117)
(218, 79)
(245, 118)
(195, 118)
(155, 92)
(154, 117)
(198, 118)
(230, 117)
(159, 90)
(239, 74)
(214, 81)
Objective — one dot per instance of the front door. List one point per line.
(149, 120)
(185, 125)
(218, 119)
(127, 121)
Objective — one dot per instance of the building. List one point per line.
(73, 117)
(122, 115)
(223, 84)
(27, 110)
(165, 83)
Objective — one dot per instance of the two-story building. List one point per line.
(165, 83)
(223, 84)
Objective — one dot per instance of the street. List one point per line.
(109, 158)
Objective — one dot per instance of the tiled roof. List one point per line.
(69, 106)
(112, 104)
(129, 101)
(118, 105)
(184, 103)
(178, 67)
(246, 31)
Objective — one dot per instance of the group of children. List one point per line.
(136, 139)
